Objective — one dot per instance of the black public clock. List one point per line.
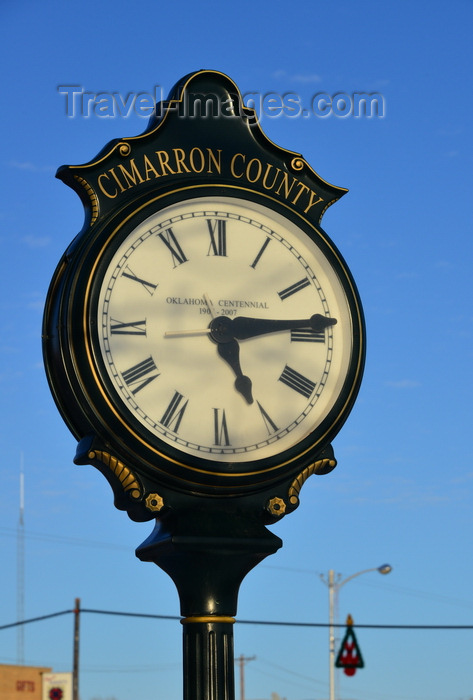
(202, 330)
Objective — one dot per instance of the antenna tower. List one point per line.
(20, 572)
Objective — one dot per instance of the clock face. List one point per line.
(223, 331)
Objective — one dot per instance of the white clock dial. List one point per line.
(237, 391)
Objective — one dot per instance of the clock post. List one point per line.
(207, 568)
(204, 342)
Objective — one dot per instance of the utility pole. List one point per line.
(242, 660)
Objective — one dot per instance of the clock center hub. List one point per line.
(220, 329)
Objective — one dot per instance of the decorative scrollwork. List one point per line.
(126, 477)
(297, 164)
(124, 148)
(94, 202)
(322, 466)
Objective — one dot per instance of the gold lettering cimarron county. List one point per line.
(178, 161)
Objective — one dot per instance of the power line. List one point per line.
(152, 616)
(35, 619)
(63, 539)
(386, 587)
(359, 626)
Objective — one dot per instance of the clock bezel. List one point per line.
(105, 412)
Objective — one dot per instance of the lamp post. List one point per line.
(334, 585)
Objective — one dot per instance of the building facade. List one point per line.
(22, 682)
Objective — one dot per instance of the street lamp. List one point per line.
(333, 588)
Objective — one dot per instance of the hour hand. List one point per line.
(230, 352)
(243, 327)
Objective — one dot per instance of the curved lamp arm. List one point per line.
(384, 569)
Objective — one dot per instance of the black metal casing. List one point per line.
(202, 140)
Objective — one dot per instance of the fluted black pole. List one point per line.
(208, 658)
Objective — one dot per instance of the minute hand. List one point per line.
(243, 327)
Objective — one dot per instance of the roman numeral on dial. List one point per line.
(171, 243)
(307, 336)
(148, 286)
(260, 253)
(297, 381)
(140, 375)
(131, 328)
(173, 414)
(218, 237)
(294, 288)
(271, 426)
(220, 428)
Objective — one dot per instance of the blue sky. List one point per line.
(402, 491)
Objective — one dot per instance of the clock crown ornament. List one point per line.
(203, 337)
